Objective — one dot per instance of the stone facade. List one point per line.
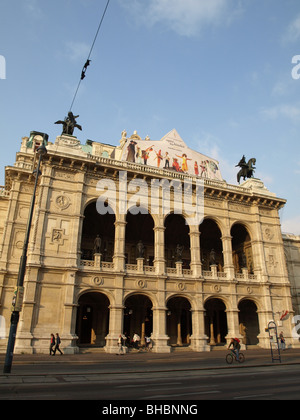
(292, 255)
(229, 280)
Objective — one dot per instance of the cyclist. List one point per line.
(235, 343)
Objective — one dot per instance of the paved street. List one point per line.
(179, 376)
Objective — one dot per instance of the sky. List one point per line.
(223, 73)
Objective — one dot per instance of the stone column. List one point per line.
(199, 338)
(227, 256)
(115, 328)
(119, 252)
(159, 247)
(196, 265)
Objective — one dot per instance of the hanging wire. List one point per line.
(88, 61)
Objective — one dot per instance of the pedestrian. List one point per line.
(148, 342)
(57, 344)
(121, 341)
(282, 341)
(52, 343)
(136, 341)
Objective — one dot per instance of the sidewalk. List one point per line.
(136, 362)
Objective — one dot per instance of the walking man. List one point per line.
(57, 344)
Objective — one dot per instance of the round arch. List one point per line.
(139, 230)
(138, 316)
(216, 327)
(177, 241)
(241, 248)
(179, 320)
(92, 324)
(211, 245)
(248, 321)
(97, 225)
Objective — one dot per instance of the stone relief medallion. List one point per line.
(181, 286)
(141, 284)
(62, 202)
(250, 290)
(98, 281)
(216, 288)
(268, 234)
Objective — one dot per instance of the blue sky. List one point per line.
(219, 71)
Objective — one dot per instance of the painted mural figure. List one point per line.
(167, 160)
(131, 151)
(159, 158)
(146, 154)
(139, 155)
(184, 166)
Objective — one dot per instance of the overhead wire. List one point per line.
(88, 61)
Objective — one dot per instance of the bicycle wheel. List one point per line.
(229, 359)
(241, 358)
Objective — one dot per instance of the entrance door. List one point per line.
(93, 319)
(179, 321)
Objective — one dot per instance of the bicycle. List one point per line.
(232, 356)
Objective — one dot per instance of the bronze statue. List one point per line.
(247, 169)
(69, 124)
(97, 245)
(178, 253)
(140, 248)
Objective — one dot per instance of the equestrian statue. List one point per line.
(247, 169)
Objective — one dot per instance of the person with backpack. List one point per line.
(235, 343)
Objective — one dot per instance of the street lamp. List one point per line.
(19, 291)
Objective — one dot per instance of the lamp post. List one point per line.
(18, 295)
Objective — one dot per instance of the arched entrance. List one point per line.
(248, 320)
(216, 322)
(179, 321)
(138, 317)
(92, 325)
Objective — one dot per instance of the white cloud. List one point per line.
(185, 17)
(291, 225)
(293, 31)
(77, 51)
(292, 112)
(33, 7)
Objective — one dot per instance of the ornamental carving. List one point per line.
(141, 284)
(216, 288)
(98, 281)
(181, 286)
(62, 202)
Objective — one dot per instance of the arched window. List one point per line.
(177, 241)
(139, 230)
(241, 249)
(95, 224)
(211, 245)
